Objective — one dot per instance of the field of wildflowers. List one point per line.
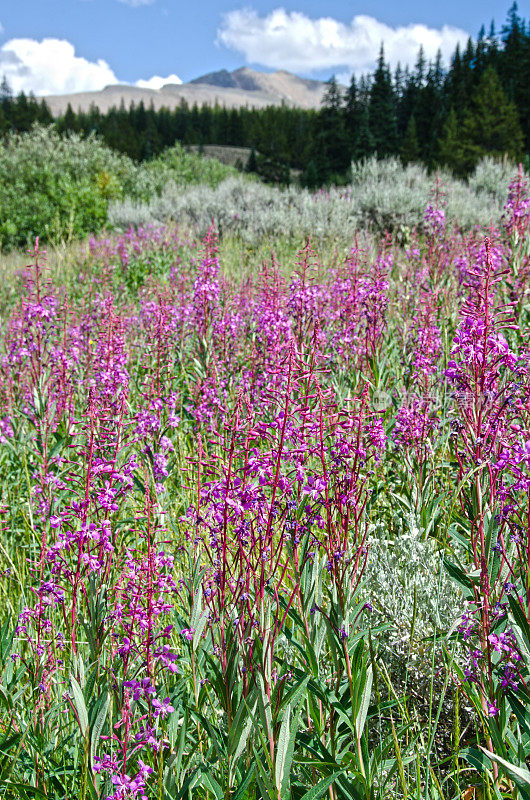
(269, 536)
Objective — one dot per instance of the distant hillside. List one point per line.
(231, 156)
(242, 87)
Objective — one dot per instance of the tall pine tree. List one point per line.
(382, 110)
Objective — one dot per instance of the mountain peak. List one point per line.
(240, 87)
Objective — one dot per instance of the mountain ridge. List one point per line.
(240, 87)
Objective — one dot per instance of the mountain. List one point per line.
(242, 87)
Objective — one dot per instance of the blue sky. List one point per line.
(52, 46)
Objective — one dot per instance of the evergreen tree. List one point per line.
(351, 101)
(490, 126)
(43, 114)
(410, 150)
(331, 152)
(364, 143)
(382, 110)
(449, 146)
(6, 93)
(69, 121)
(309, 177)
(514, 67)
(429, 110)
(251, 165)
(353, 113)
(420, 69)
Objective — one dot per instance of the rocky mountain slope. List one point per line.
(241, 87)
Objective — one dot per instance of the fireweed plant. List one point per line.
(198, 477)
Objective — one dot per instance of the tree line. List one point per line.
(478, 105)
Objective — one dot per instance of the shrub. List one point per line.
(57, 187)
(383, 195)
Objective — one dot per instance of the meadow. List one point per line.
(266, 530)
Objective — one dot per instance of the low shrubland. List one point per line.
(63, 188)
(382, 195)
(59, 187)
(266, 534)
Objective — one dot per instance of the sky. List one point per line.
(64, 46)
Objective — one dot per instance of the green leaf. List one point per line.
(365, 702)
(243, 786)
(239, 736)
(181, 743)
(281, 748)
(474, 757)
(201, 623)
(197, 608)
(263, 778)
(460, 577)
(80, 706)
(520, 618)
(97, 727)
(321, 787)
(209, 781)
(519, 775)
(521, 711)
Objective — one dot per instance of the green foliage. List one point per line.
(449, 144)
(251, 165)
(273, 170)
(181, 168)
(382, 112)
(374, 115)
(57, 188)
(410, 149)
(489, 127)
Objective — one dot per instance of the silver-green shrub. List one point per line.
(410, 592)
(383, 195)
(250, 210)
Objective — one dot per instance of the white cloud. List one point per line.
(156, 82)
(295, 42)
(51, 67)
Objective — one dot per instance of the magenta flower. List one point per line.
(162, 708)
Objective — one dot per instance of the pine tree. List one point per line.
(490, 126)
(251, 165)
(410, 150)
(420, 69)
(449, 145)
(331, 151)
(353, 113)
(514, 67)
(428, 111)
(364, 144)
(68, 122)
(6, 93)
(382, 110)
(309, 177)
(351, 105)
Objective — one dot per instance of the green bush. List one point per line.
(175, 165)
(57, 187)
